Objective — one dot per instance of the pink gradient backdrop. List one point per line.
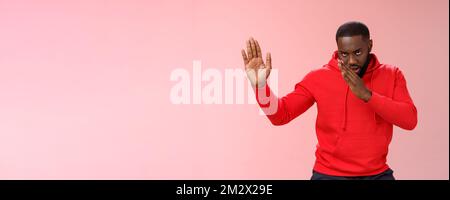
(84, 86)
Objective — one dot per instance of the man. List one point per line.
(358, 100)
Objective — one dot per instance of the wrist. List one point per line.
(367, 96)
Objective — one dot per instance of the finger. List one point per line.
(268, 63)
(351, 74)
(269, 60)
(249, 50)
(342, 67)
(346, 73)
(244, 57)
(346, 68)
(258, 49)
(253, 46)
(346, 76)
(352, 77)
(348, 80)
(351, 80)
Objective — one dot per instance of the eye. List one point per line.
(344, 54)
(358, 53)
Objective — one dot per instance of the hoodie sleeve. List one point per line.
(280, 111)
(398, 110)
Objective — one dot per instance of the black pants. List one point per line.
(386, 175)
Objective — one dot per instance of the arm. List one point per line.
(398, 110)
(279, 111)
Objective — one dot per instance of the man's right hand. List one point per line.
(257, 71)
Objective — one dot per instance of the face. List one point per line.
(354, 51)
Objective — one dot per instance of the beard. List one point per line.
(363, 69)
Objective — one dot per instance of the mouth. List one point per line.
(355, 68)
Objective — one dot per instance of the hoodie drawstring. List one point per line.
(371, 88)
(344, 122)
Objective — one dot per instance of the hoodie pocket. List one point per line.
(363, 151)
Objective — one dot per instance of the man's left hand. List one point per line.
(355, 83)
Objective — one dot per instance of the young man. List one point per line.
(358, 102)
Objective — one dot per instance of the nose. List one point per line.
(352, 60)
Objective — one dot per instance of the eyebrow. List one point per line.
(357, 50)
(353, 51)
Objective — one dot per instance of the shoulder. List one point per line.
(317, 73)
(312, 77)
(390, 69)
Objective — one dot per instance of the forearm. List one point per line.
(401, 114)
(270, 105)
(281, 111)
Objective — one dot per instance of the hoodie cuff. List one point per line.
(376, 101)
(263, 95)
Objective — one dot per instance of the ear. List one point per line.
(370, 45)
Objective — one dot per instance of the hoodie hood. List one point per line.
(374, 64)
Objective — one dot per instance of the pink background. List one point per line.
(84, 86)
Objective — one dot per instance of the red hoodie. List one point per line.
(353, 135)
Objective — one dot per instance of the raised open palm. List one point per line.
(257, 71)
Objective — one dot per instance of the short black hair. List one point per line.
(352, 28)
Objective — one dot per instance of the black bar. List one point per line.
(221, 189)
